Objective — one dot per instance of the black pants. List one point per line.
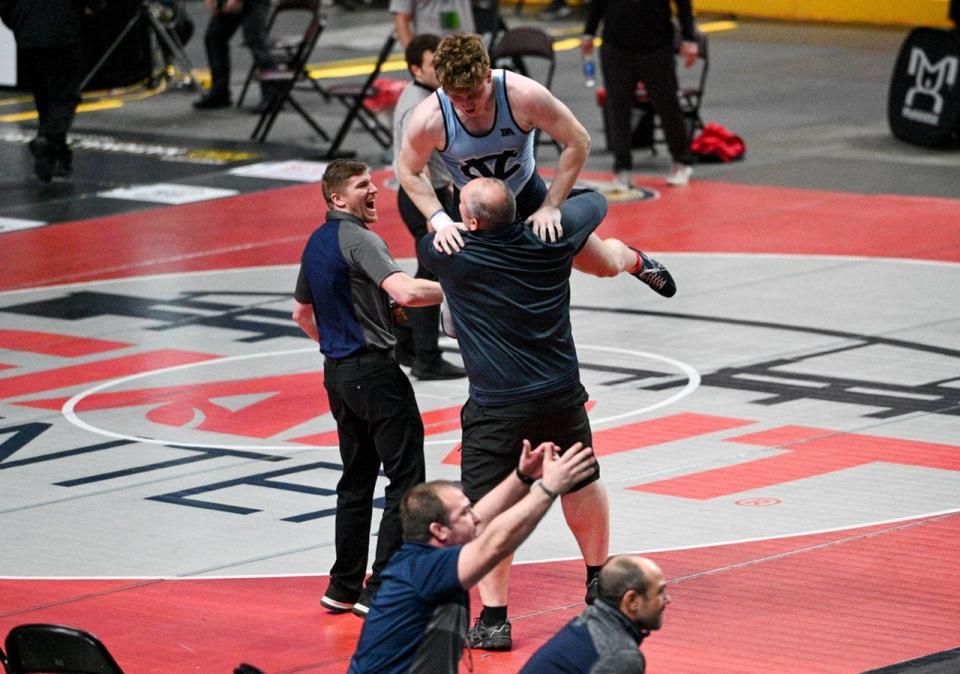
(379, 423)
(53, 75)
(422, 332)
(658, 71)
(253, 18)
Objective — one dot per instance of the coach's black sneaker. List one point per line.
(494, 637)
(44, 155)
(654, 275)
(336, 601)
(361, 607)
(593, 588)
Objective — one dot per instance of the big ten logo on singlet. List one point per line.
(491, 166)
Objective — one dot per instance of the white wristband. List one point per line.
(440, 219)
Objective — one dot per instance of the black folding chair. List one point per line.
(354, 97)
(284, 82)
(527, 42)
(57, 649)
(283, 48)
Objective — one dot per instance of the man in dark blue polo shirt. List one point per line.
(342, 300)
(509, 295)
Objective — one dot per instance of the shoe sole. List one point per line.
(360, 610)
(500, 646)
(335, 606)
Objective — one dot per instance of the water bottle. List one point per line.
(589, 71)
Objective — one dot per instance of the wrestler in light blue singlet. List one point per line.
(505, 151)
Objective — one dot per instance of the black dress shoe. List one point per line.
(212, 102)
(44, 156)
(442, 370)
(63, 165)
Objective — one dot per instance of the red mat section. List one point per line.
(838, 602)
(271, 227)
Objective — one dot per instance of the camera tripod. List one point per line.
(166, 36)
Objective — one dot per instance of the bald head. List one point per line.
(621, 573)
(637, 587)
(487, 203)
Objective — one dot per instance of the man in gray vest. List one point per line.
(606, 637)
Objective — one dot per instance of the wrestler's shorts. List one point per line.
(493, 437)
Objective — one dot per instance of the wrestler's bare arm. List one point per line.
(534, 106)
(423, 135)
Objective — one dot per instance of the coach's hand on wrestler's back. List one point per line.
(561, 472)
(448, 239)
(546, 223)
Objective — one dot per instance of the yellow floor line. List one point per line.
(16, 100)
(354, 67)
(19, 116)
(334, 69)
(106, 104)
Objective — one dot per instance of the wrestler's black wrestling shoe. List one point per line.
(655, 275)
(496, 637)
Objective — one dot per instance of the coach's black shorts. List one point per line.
(493, 436)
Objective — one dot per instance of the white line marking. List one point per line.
(69, 408)
(912, 519)
(70, 414)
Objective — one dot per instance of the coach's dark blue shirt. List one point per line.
(509, 294)
(341, 270)
(418, 620)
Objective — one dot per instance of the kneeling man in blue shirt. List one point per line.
(418, 620)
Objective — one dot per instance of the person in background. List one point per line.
(50, 64)
(417, 342)
(606, 637)
(225, 18)
(638, 46)
(437, 17)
